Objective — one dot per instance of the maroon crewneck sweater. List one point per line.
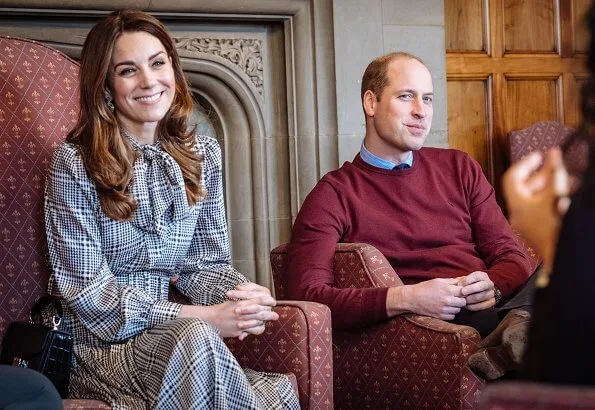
(438, 219)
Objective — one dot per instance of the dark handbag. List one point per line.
(38, 347)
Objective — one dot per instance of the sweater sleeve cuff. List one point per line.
(162, 311)
(378, 311)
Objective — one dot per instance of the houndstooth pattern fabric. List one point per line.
(114, 276)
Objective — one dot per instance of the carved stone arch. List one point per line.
(238, 120)
(243, 56)
(287, 108)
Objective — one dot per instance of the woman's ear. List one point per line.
(369, 103)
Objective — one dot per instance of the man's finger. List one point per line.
(482, 305)
(473, 277)
(476, 287)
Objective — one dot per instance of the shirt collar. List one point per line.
(378, 162)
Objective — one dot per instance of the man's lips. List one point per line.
(416, 129)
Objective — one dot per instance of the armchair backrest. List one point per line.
(38, 106)
(544, 135)
(540, 136)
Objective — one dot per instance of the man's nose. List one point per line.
(418, 108)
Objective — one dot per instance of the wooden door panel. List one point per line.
(531, 100)
(531, 70)
(468, 25)
(529, 26)
(468, 119)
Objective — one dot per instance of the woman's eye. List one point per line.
(126, 71)
(158, 63)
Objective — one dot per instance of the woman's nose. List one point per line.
(147, 78)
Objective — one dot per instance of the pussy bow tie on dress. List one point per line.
(158, 186)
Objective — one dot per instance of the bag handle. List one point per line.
(42, 303)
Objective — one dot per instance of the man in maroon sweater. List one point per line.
(430, 211)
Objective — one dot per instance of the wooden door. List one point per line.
(510, 63)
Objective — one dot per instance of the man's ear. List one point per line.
(369, 102)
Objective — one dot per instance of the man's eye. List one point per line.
(406, 97)
(428, 100)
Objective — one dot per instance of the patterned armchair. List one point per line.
(410, 361)
(544, 135)
(38, 106)
(540, 136)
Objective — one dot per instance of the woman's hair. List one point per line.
(109, 158)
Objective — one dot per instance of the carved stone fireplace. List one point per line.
(263, 86)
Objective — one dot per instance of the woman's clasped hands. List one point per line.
(246, 313)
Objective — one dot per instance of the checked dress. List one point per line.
(130, 349)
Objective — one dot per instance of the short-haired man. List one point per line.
(430, 211)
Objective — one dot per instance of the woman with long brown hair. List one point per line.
(134, 201)
(561, 335)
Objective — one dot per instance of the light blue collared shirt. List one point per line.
(378, 162)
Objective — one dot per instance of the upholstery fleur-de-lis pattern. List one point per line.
(38, 106)
(540, 136)
(544, 135)
(410, 361)
(302, 348)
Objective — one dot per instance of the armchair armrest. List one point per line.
(356, 265)
(299, 343)
(409, 360)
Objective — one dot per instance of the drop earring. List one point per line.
(109, 101)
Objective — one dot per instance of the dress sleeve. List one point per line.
(81, 274)
(507, 264)
(206, 272)
(320, 224)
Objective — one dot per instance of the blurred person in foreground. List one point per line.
(559, 223)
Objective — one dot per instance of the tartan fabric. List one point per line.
(114, 275)
(114, 279)
(182, 363)
(410, 361)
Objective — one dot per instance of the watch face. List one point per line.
(497, 294)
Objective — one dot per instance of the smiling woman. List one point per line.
(142, 78)
(134, 201)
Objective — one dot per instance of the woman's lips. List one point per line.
(149, 99)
